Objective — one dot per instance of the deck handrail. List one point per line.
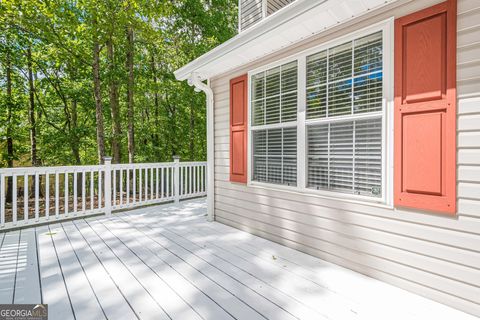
(62, 192)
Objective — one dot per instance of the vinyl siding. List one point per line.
(250, 13)
(432, 255)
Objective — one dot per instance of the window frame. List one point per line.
(386, 27)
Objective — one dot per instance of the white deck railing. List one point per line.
(42, 194)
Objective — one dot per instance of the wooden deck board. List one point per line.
(27, 281)
(167, 262)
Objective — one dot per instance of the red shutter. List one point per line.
(425, 109)
(238, 129)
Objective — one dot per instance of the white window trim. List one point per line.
(387, 29)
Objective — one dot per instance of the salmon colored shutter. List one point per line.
(425, 109)
(238, 129)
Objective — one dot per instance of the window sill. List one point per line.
(322, 194)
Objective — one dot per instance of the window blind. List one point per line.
(275, 156)
(346, 156)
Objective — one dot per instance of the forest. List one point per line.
(84, 79)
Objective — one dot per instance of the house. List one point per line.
(350, 130)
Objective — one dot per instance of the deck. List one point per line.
(167, 262)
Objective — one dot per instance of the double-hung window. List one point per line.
(342, 121)
(274, 127)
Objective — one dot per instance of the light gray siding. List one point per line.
(251, 11)
(433, 255)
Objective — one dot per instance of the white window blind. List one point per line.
(274, 103)
(275, 156)
(346, 156)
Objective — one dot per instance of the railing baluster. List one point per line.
(47, 196)
(146, 184)
(75, 179)
(14, 199)
(66, 193)
(140, 185)
(84, 202)
(195, 179)
(121, 187)
(114, 194)
(168, 182)
(57, 195)
(92, 190)
(25, 198)
(156, 182)
(134, 184)
(128, 186)
(99, 189)
(37, 178)
(2, 200)
(190, 181)
(151, 183)
(162, 175)
(181, 180)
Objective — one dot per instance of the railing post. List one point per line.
(176, 178)
(108, 185)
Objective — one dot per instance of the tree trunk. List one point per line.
(98, 98)
(192, 133)
(74, 142)
(130, 101)
(9, 125)
(31, 110)
(114, 105)
(156, 136)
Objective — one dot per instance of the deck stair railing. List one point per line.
(34, 195)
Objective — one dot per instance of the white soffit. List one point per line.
(299, 20)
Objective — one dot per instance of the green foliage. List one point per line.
(169, 116)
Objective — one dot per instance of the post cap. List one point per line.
(176, 157)
(107, 159)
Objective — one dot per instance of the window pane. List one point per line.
(368, 157)
(340, 62)
(258, 112)
(317, 102)
(341, 156)
(258, 86)
(289, 106)
(340, 98)
(317, 69)
(367, 93)
(368, 54)
(260, 169)
(317, 176)
(274, 138)
(272, 82)
(289, 77)
(259, 155)
(260, 143)
(273, 110)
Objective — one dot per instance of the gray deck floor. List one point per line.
(167, 262)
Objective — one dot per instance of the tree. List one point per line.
(75, 73)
